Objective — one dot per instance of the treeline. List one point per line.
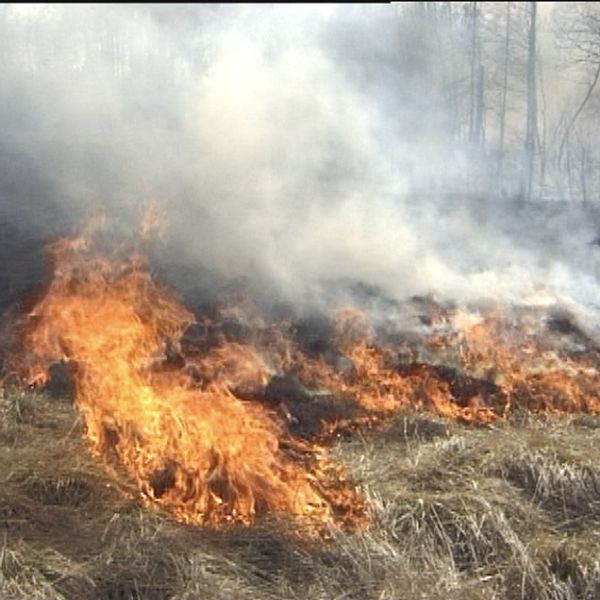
(518, 81)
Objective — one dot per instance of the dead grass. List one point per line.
(507, 512)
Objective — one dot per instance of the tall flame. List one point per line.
(203, 454)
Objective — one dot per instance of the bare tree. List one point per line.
(504, 94)
(476, 113)
(578, 112)
(531, 128)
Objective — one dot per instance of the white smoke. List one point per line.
(289, 145)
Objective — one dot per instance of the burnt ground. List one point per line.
(22, 264)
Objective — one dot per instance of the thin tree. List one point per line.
(578, 111)
(476, 87)
(504, 93)
(531, 130)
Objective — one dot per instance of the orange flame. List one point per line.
(202, 454)
(169, 415)
(376, 382)
(530, 376)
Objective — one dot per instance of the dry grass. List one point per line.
(504, 512)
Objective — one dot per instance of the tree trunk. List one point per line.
(504, 95)
(480, 109)
(583, 173)
(578, 111)
(474, 75)
(531, 132)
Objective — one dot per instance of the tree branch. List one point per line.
(578, 112)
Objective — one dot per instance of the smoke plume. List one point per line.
(295, 147)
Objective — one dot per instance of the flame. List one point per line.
(166, 410)
(377, 384)
(197, 451)
(529, 375)
(498, 368)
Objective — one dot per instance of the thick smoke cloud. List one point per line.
(290, 145)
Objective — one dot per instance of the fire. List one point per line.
(498, 368)
(378, 383)
(171, 413)
(528, 374)
(198, 451)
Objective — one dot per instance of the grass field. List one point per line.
(507, 511)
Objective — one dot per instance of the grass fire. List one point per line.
(228, 422)
(192, 447)
(176, 419)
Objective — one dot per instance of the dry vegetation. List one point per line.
(505, 511)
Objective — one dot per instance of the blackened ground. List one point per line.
(307, 412)
(22, 264)
(23, 274)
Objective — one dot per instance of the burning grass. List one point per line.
(458, 512)
(197, 450)
(321, 457)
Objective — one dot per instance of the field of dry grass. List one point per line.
(509, 511)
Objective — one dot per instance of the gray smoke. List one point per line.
(291, 145)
